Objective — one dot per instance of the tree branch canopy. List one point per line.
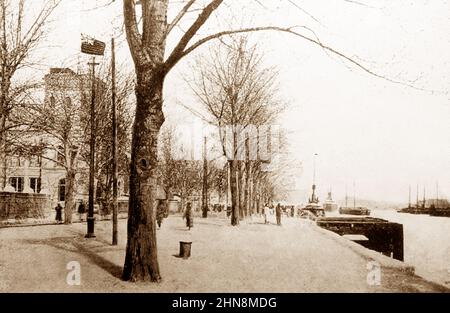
(279, 29)
(178, 51)
(131, 28)
(179, 16)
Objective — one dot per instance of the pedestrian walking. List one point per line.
(189, 215)
(278, 214)
(58, 210)
(160, 212)
(81, 210)
(265, 213)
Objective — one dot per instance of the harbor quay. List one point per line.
(255, 256)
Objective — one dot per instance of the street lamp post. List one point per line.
(93, 47)
(90, 217)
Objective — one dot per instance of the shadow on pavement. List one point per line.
(77, 244)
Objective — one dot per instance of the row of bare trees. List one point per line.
(237, 94)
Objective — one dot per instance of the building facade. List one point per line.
(65, 93)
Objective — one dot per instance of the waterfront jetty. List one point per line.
(373, 233)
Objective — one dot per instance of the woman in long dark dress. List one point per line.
(58, 210)
(188, 214)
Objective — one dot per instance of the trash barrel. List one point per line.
(185, 249)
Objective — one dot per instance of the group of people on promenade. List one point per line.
(266, 211)
(188, 213)
(59, 211)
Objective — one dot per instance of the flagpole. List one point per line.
(93, 47)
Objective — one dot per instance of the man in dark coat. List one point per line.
(58, 210)
(81, 210)
(189, 215)
(278, 214)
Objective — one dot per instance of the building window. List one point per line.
(13, 161)
(35, 184)
(17, 183)
(60, 156)
(62, 189)
(21, 161)
(34, 161)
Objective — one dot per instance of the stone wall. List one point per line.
(23, 205)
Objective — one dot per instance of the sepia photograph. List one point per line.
(247, 148)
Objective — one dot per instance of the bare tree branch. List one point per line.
(309, 39)
(179, 16)
(177, 52)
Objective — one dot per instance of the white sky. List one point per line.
(381, 135)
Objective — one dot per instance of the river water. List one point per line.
(426, 243)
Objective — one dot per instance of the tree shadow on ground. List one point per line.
(76, 244)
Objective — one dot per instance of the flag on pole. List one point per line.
(93, 46)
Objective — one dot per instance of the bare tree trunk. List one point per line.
(3, 176)
(258, 196)
(69, 196)
(240, 190)
(181, 208)
(141, 261)
(234, 193)
(247, 189)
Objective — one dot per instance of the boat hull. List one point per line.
(354, 211)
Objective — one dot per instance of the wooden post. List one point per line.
(397, 234)
(114, 143)
(205, 182)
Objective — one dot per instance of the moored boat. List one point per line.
(357, 210)
(330, 205)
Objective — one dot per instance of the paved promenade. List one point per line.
(254, 257)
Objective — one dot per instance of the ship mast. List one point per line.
(437, 194)
(417, 196)
(314, 198)
(346, 196)
(409, 198)
(423, 204)
(354, 195)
